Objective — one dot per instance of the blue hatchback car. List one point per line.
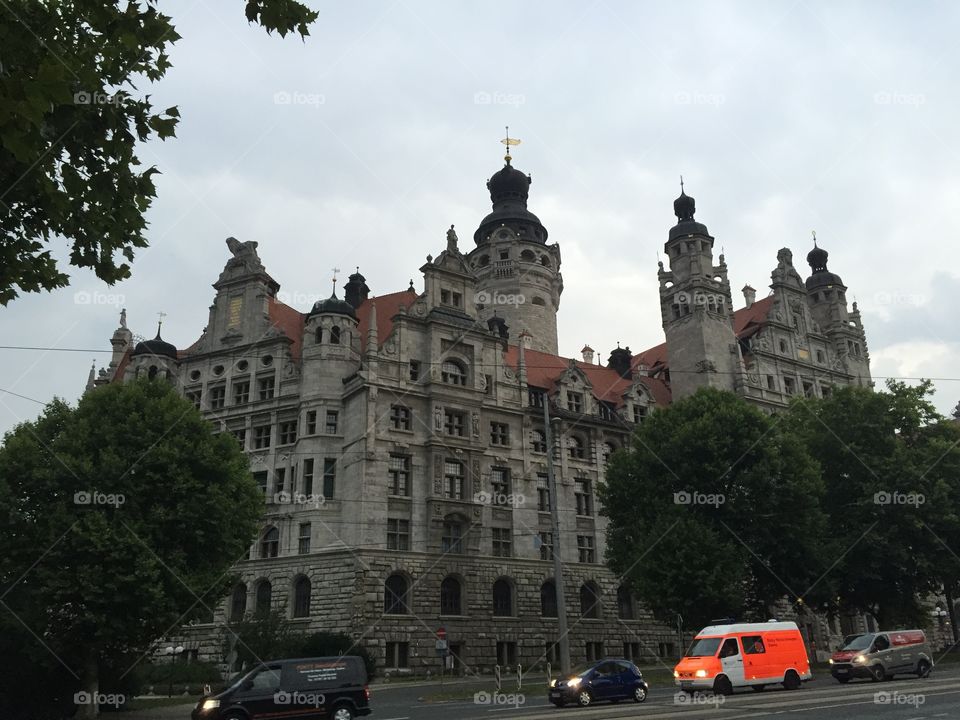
(613, 679)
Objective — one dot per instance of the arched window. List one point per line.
(528, 256)
(238, 602)
(453, 372)
(335, 335)
(624, 603)
(395, 595)
(539, 441)
(537, 300)
(548, 599)
(319, 336)
(574, 447)
(450, 597)
(502, 598)
(301, 597)
(545, 261)
(264, 597)
(152, 373)
(589, 600)
(484, 260)
(270, 545)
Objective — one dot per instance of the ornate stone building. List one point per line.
(399, 440)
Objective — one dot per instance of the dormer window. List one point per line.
(639, 413)
(453, 373)
(575, 402)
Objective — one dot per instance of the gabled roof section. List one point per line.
(387, 307)
(290, 322)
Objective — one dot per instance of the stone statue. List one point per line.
(437, 418)
(245, 257)
(451, 240)
(123, 318)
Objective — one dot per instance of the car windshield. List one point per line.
(860, 642)
(582, 669)
(704, 647)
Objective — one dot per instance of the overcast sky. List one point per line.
(363, 144)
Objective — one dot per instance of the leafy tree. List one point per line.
(889, 474)
(120, 518)
(714, 511)
(70, 118)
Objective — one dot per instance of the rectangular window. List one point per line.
(825, 391)
(808, 389)
(279, 479)
(820, 357)
(771, 382)
(397, 655)
(639, 413)
(217, 397)
(311, 422)
(332, 418)
(308, 476)
(265, 387)
(414, 370)
(607, 411)
(241, 435)
(445, 297)
(594, 651)
(535, 397)
(398, 534)
(260, 478)
(303, 541)
(499, 433)
(241, 392)
(584, 496)
(631, 651)
(452, 539)
(546, 545)
(456, 299)
(193, 396)
(489, 384)
(585, 549)
(538, 440)
(502, 542)
(288, 432)
(329, 477)
(543, 492)
(574, 402)
(453, 423)
(789, 386)
(453, 480)
(500, 481)
(753, 645)
(261, 437)
(399, 475)
(506, 653)
(400, 417)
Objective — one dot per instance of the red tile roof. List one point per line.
(387, 307)
(290, 323)
(544, 369)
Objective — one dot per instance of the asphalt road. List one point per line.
(823, 699)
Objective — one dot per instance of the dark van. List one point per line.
(327, 688)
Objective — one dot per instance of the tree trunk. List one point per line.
(86, 698)
(951, 608)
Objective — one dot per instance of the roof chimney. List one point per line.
(587, 354)
(526, 339)
(749, 295)
(620, 360)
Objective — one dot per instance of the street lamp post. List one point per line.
(564, 643)
(173, 652)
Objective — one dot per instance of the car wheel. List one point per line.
(639, 694)
(584, 698)
(923, 669)
(877, 673)
(722, 686)
(342, 712)
(758, 688)
(843, 681)
(791, 681)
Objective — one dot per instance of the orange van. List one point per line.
(725, 657)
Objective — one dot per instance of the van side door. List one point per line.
(258, 694)
(732, 661)
(883, 654)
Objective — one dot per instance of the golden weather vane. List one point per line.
(509, 142)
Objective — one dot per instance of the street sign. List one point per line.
(442, 646)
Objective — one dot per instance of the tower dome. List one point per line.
(509, 189)
(684, 207)
(333, 306)
(509, 184)
(158, 347)
(817, 259)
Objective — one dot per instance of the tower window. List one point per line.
(771, 382)
(820, 357)
(335, 335)
(504, 255)
(332, 421)
(537, 300)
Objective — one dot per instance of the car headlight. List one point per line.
(553, 683)
(573, 682)
(210, 704)
(830, 661)
(701, 673)
(859, 659)
(676, 674)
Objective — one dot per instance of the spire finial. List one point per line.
(681, 184)
(160, 316)
(509, 141)
(335, 271)
(814, 232)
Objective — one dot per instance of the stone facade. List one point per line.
(399, 440)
